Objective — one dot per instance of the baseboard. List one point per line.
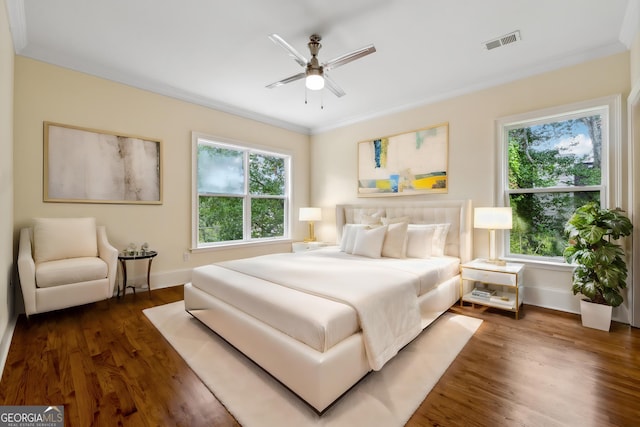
(565, 301)
(164, 279)
(5, 343)
(552, 298)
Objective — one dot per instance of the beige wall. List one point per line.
(6, 179)
(48, 93)
(472, 149)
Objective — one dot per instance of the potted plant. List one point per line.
(601, 270)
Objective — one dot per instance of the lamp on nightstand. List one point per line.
(493, 219)
(311, 215)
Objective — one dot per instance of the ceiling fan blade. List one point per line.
(292, 52)
(287, 80)
(330, 84)
(348, 57)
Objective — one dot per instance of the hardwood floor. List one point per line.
(109, 366)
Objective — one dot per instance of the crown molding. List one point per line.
(630, 23)
(17, 24)
(552, 65)
(139, 82)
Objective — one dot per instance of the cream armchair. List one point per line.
(64, 262)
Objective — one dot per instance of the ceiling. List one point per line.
(218, 54)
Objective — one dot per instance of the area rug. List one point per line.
(384, 398)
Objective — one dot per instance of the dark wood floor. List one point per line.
(109, 366)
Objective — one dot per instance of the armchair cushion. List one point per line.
(73, 270)
(61, 238)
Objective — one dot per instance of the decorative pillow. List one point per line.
(395, 241)
(419, 238)
(439, 240)
(426, 240)
(396, 220)
(371, 219)
(349, 236)
(369, 242)
(60, 238)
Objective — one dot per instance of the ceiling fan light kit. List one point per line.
(314, 81)
(315, 74)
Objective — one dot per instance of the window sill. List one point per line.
(542, 264)
(239, 245)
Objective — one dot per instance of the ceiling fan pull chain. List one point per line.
(305, 95)
(322, 99)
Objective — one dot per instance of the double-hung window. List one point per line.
(553, 162)
(241, 193)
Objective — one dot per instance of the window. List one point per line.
(241, 193)
(553, 162)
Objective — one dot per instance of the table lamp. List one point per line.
(493, 219)
(310, 215)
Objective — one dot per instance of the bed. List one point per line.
(318, 321)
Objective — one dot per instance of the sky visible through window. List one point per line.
(577, 142)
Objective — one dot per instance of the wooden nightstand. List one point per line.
(505, 279)
(307, 246)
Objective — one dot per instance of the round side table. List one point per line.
(123, 257)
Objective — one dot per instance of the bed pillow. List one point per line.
(395, 241)
(396, 220)
(369, 242)
(426, 240)
(439, 239)
(371, 219)
(349, 236)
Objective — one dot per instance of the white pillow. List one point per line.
(395, 241)
(349, 236)
(426, 240)
(419, 238)
(60, 238)
(439, 240)
(369, 242)
(371, 219)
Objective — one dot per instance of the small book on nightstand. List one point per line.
(483, 292)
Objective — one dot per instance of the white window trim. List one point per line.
(611, 193)
(195, 246)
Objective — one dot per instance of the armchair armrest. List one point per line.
(108, 254)
(27, 271)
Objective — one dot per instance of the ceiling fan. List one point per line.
(315, 74)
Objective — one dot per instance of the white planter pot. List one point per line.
(597, 316)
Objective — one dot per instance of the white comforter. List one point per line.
(384, 299)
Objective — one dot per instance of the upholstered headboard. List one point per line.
(457, 213)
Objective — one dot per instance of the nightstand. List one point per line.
(307, 246)
(506, 280)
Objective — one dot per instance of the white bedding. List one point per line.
(359, 279)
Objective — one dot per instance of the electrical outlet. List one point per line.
(185, 256)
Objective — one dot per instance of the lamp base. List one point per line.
(312, 235)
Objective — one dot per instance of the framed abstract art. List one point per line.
(410, 163)
(92, 166)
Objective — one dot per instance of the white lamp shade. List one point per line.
(492, 218)
(310, 214)
(314, 82)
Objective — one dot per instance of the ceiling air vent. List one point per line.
(501, 41)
